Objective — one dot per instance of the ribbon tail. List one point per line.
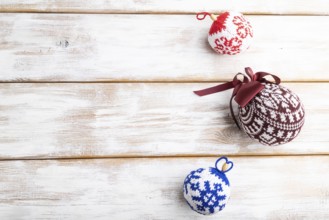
(215, 89)
(232, 113)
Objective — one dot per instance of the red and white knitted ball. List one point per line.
(230, 33)
(274, 116)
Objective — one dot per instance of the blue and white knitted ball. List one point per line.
(207, 190)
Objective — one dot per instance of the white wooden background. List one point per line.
(98, 119)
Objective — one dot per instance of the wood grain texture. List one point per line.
(63, 47)
(261, 188)
(120, 120)
(317, 7)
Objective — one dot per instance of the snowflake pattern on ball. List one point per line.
(206, 190)
(226, 46)
(243, 27)
(230, 34)
(275, 116)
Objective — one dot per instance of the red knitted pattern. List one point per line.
(230, 34)
(219, 24)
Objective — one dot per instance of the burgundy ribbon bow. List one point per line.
(244, 90)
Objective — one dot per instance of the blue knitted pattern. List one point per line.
(206, 190)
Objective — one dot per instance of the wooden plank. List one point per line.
(62, 47)
(261, 188)
(318, 7)
(128, 120)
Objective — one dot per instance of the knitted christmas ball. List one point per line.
(207, 190)
(267, 111)
(274, 116)
(230, 32)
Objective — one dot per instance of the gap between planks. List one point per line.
(164, 157)
(279, 7)
(150, 13)
(145, 82)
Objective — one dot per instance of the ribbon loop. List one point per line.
(249, 72)
(245, 89)
(259, 76)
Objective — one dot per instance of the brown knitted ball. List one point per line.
(274, 116)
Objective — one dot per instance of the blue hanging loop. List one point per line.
(227, 162)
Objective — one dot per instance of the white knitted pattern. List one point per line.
(275, 116)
